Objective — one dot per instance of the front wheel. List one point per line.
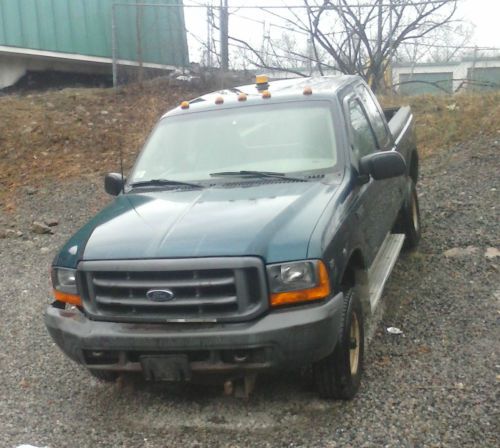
(338, 375)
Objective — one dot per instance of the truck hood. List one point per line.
(272, 220)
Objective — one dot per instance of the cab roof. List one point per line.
(289, 89)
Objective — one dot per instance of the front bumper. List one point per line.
(283, 338)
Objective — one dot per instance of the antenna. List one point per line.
(121, 169)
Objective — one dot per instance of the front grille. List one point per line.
(204, 289)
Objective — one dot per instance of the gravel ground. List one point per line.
(433, 386)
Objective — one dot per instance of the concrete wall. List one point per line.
(11, 71)
(14, 67)
(15, 62)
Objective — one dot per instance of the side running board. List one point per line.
(382, 266)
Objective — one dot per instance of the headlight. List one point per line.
(299, 281)
(64, 283)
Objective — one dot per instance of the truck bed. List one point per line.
(397, 118)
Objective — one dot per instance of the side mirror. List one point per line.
(113, 183)
(382, 165)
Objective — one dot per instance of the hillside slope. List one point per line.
(74, 133)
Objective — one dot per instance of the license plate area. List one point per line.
(174, 368)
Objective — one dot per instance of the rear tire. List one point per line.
(408, 221)
(338, 376)
(104, 375)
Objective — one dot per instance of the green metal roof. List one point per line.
(84, 27)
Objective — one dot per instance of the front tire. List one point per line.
(107, 376)
(338, 376)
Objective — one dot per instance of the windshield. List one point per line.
(284, 138)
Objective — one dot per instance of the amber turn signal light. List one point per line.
(72, 299)
(321, 291)
(261, 79)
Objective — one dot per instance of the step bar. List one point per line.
(382, 266)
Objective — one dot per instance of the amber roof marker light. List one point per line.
(185, 105)
(242, 97)
(262, 82)
(308, 90)
(266, 94)
(219, 100)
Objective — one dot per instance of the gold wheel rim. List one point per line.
(354, 344)
(414, 214)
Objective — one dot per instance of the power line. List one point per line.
(311, 7)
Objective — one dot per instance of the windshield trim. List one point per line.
(331, 105)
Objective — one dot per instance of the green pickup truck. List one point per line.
(255, 232)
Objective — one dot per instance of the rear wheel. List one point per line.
(104, 375)
(409, 220)
(339, 374)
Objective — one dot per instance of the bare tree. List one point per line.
(452, 40)
(356, 36)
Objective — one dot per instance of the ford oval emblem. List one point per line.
(160, 295)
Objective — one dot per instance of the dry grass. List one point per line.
(74, 133)
(443, 121)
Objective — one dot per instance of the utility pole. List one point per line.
(310, 56)
(209, 36)
(389, 79)
(379, 63)
(224, 35)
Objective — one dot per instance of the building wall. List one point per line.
(84, 27)
(460, 71)
(437, 83)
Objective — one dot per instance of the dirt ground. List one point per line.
(436, 385)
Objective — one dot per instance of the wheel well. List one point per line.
(413, 171)
(355, 264)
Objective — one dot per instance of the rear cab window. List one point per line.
(363, 140)
(377, 120)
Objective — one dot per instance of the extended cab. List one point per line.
(255, 231)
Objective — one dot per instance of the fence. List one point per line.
(148, 39)
(153, 38)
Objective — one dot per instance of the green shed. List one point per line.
(420, 83)
(484, 78)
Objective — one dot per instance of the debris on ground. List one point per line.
(40, 228)
(51, 222)
(458, 252)
(492, 252)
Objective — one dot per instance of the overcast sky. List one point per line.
(483, 14)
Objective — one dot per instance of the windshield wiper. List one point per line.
(258, 174)
(162, 182)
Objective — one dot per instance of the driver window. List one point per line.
(363, 141)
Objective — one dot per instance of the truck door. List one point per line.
(393, 188)
(369, 200)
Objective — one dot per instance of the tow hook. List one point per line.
(240, 387)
